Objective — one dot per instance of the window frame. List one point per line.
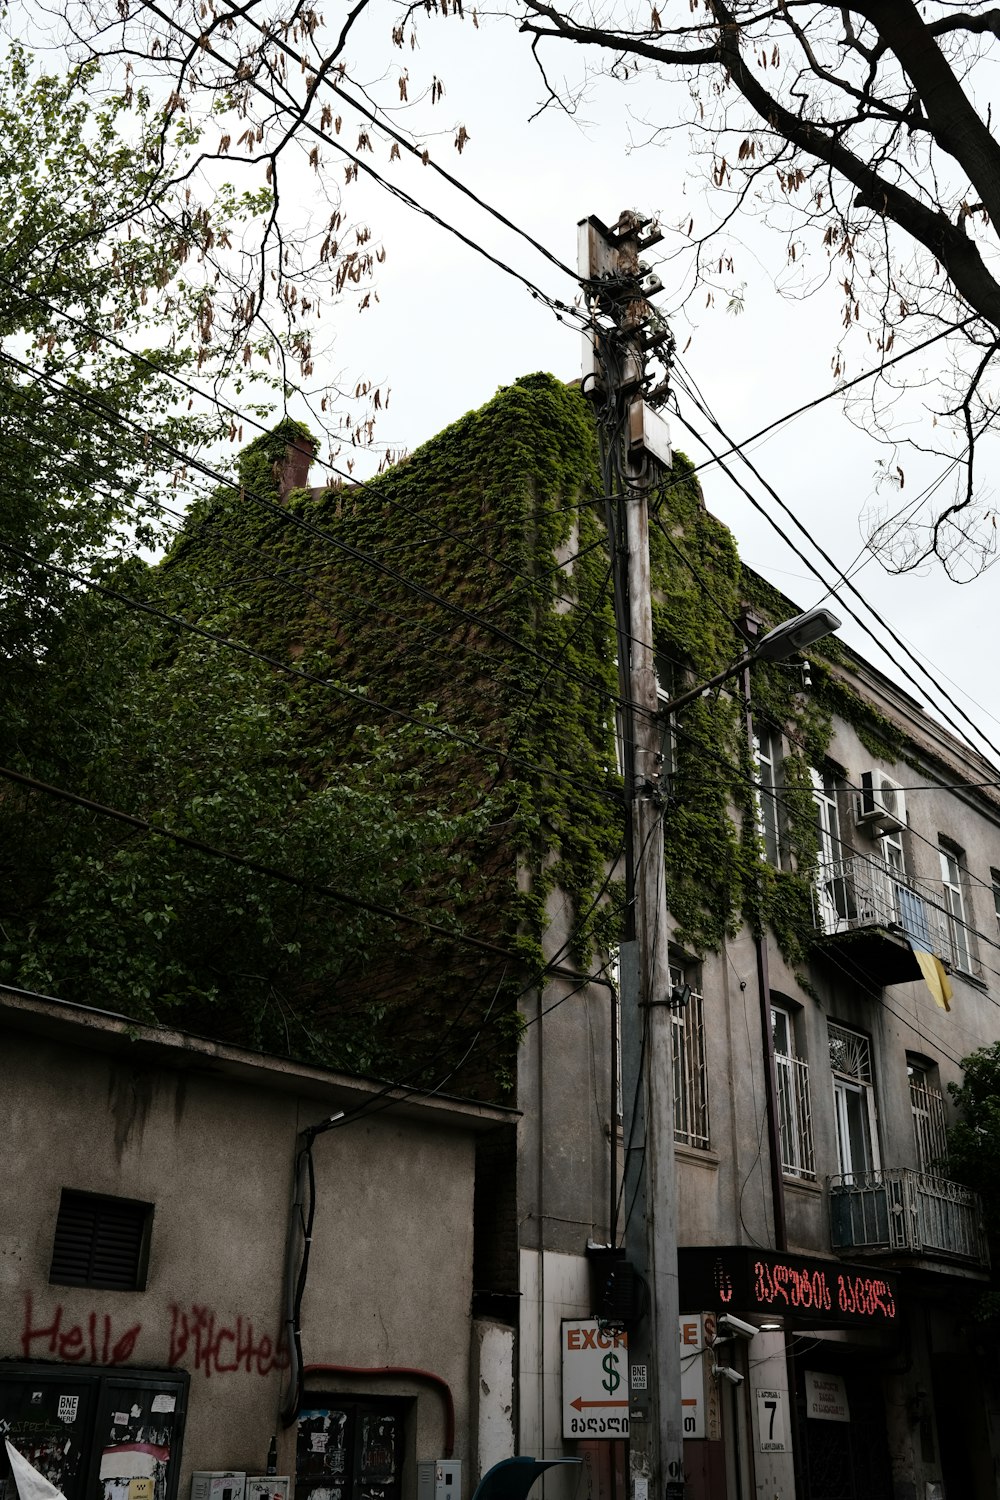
(794, 1100)
(849, 1085)
(692, 1122)
(955, 914)
(928, 1115)
(770, 825)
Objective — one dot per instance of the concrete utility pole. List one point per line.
(637, 445)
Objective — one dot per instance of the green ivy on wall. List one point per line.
(465, 597)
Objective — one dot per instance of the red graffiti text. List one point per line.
(201, 1341)
(93, 1339)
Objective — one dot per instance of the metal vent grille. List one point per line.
(100, 1242)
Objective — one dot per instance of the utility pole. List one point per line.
(637, 450)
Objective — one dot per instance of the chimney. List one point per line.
(299, 454)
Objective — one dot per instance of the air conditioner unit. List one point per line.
(881, 807)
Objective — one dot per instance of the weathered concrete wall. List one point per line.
(391, 1272)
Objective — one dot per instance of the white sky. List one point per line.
(449, 328)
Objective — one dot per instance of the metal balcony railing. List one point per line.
(907, 1213)
(852, 894)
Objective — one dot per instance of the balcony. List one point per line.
(863, 910)
(901, 1212)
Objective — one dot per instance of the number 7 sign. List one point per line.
(771, 1421)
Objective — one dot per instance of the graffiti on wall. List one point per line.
(94, 1339)
(200, 1339)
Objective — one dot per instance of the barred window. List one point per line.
(930, 1131)
(794, 1099)
(690, 1080)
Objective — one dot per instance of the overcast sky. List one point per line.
(449, 328)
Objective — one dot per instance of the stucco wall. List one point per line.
(391, 1274)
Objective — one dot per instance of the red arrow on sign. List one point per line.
(579, 1403)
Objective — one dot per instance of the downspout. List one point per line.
(766, 1023)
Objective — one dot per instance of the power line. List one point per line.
(762, 510)
(300, 522)
(202, 45)
(354, 695)
(355, 485)
(258, 867)
(377, 118)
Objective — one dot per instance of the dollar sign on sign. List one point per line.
(612, 1380)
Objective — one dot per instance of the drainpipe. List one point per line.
(752, 627)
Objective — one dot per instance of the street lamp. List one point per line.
(778, 645)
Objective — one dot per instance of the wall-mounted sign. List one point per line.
(771, 1427)
(595, 1380)
(693, 1364)
(826, 1397)
(818, 1293)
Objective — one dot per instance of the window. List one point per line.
(827, 816)
(101, 1242)
(892, 852)
(690, 1082)
(995, 878)
(669, 677)
(927, 1107)
(767, 747)
(955, 931)
(794, 1101)
(853, 1102)
(831, 875)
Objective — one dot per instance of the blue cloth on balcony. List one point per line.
(913, 916)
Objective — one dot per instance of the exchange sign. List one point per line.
(594, 1380)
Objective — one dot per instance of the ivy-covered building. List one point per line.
(431, 689)
(814, 862)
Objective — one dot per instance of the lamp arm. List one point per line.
(666, 709)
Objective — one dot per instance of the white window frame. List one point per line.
(768, 756)
(853, 1088)
(794, 1099)
(831, 892)
(953, 900)
(691, 1123)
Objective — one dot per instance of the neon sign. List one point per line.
(814, 1291)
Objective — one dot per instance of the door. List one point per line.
(848, 1460)
(855, 1136)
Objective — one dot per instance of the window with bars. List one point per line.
(794, 1099)
(930, 1131)
(690, 1080)
(101, 1242)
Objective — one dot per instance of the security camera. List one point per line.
(733, 1376)
(731, 1324)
